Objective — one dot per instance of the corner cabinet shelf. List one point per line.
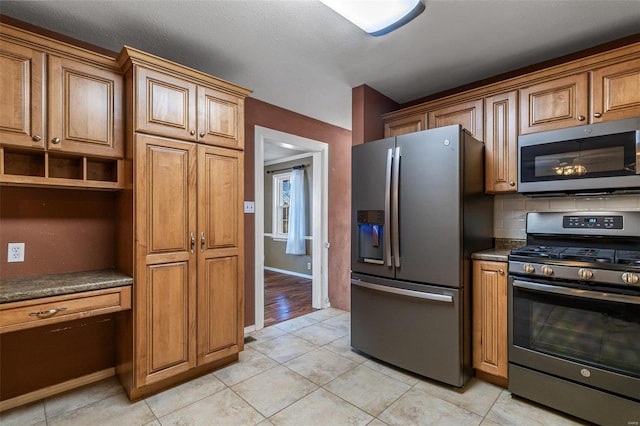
(37, 168)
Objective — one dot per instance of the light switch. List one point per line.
(249, 207)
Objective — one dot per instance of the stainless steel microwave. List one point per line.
(592, 159)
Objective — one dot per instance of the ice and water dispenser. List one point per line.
(371, 236)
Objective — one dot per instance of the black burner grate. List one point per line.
(628, 257)
(588, 254)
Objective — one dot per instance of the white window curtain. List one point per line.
(297, 225)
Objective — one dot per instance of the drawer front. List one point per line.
(49, 310)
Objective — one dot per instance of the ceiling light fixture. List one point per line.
(377, 17)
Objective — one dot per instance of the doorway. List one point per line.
(291, 147)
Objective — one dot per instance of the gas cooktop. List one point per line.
(582, 254)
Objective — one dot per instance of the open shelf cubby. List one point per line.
(35, 168)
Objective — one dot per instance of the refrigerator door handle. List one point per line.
(386, 236)
(395, 208)
(403, 292)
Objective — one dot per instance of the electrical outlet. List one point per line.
(15, 253)
(249, 207)
(309, 265)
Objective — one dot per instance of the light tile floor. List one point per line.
(300, 372)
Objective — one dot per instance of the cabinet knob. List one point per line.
(193, 132)
(512, 183)
(597, 115)
(501, 271)
(581, 118)
(36, 138)
(202, 134)
(202, 242)
(55, 140)
(193, 242)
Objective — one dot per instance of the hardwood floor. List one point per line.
(285, 297)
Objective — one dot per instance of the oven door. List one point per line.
(579, 334)
(562, 161)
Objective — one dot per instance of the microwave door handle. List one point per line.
(637, 163)
(396, 208)
(585, 294)
(386, 236)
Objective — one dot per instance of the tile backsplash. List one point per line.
(509, 213)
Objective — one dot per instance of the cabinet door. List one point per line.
(501, 152)
(165, 105)
(490, 317)
(85, 109)
(402, 126)
(219, 119)
(21, 96)
(616, 91)
(554, 104)
(468, 114)
(165, 291)
(220, 256)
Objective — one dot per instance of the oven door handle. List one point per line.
(586, 294)
(403, 292)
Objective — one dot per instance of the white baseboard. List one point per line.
(282, 271)
(249, 329)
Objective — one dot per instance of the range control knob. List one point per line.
(528, 268)
(585, 274)
(546, 270)
(630, 278)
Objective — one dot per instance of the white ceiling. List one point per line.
(301, 56)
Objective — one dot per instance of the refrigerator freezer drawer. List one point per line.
(420, 331)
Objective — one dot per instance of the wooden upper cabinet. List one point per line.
(22, 108)
(85, 109)
(500, 142)
(166, 105)
(555, 104)
(178, 102)
(616, 91)
(468, 114)
(218, 122)
(490, 352)
(402, 126)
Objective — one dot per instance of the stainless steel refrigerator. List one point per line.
(418, 212)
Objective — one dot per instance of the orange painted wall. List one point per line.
(64, 230)
(258, 113)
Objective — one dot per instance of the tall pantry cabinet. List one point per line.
(181, 233)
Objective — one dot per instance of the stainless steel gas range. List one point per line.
(574, 315)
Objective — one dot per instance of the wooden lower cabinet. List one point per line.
(489, 321)
(165, 278)
(188, 294)
(220, 255)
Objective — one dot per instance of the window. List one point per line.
(281, 199)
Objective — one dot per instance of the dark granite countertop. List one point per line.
(494, 254)
(500, 252)
(27, 288)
